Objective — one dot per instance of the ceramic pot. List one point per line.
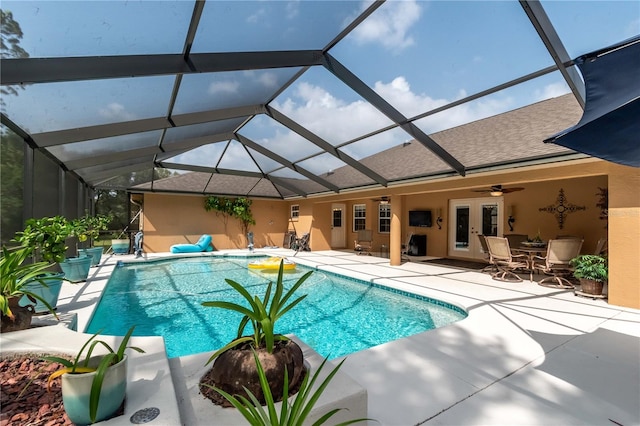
(49, 293)
(76, 269)
(22, 316)
(591, 287)
(94, 252)
(76, 390)
(120, 246)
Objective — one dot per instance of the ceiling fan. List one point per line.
(383, 200)
(498, 190)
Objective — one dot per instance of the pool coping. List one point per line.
(525, 354)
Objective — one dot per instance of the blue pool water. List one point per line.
(338, 317)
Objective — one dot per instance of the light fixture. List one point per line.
(439, 218)
(497, 193)
(384, 200)
(511, 219)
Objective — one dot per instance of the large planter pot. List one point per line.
(76, 390)
(22, 316)
(591, 287)
(236, 369)
(120, 246)
(76, 269)
(94, 252)
(49, 293)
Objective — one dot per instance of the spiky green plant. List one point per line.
(262, 314)
(79, 366)
(15, 275)
(291, 413)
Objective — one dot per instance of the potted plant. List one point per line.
(87, 229)
(120, 245)
(15, 274)
(592, 271)
(234, 370)
(291, 413)
(47, 239)
(94, 387)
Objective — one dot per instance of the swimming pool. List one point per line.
(338, 317)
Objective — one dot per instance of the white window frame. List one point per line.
(359, 217)
(384, 215)
(295, 212)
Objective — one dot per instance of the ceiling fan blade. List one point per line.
(508, 190)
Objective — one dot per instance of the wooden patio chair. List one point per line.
(507, 263)
(557, 262)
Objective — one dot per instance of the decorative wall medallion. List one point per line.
(561, 208)
(603, 203)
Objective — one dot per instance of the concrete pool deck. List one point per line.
(526, 354)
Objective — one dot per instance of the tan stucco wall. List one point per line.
(624, 236)
(171, 219)
(176, 219)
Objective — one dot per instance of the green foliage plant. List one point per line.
(46, 237)
(15, 274)
(590, 267)
(291, 413)
(262, 314)
(237, 208)
(87, 227)
(80, 366)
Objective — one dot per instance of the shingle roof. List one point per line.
(508, 138)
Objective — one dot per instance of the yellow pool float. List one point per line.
(273, 263)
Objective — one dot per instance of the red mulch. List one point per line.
(23, 392)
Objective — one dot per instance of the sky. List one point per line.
(418, 55)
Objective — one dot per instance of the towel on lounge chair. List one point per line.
(203, 244)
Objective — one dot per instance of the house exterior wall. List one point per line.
(177, 219)
(172, 219)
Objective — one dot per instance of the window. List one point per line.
(359, 216)
(384, 218)
(295, 211)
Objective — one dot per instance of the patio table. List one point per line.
(531, 252)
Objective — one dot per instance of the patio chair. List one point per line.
(302, 243)
(507, 263)
(557, 262)
(491, 267)
(364, 241)
(404, 250)
(515, 240)
(601, 247)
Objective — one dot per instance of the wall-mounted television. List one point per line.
(421, 218)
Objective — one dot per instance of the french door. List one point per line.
(338, 232)
(469, 218)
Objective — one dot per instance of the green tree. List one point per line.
(11, 184)
(114, 201)
(10, 36)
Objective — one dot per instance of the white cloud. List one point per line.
(390, 25)
(116, 111)
(266, 79)
(292, 9)
(256, 16)
(223, 87)
(399, 94)
(338, 121)
(551, 91)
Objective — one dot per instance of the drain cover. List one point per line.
(145, 415)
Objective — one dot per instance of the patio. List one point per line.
(526, 354)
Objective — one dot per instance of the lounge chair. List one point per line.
(203, 244)
(557, 262)
(364, 242)
(507, 263)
